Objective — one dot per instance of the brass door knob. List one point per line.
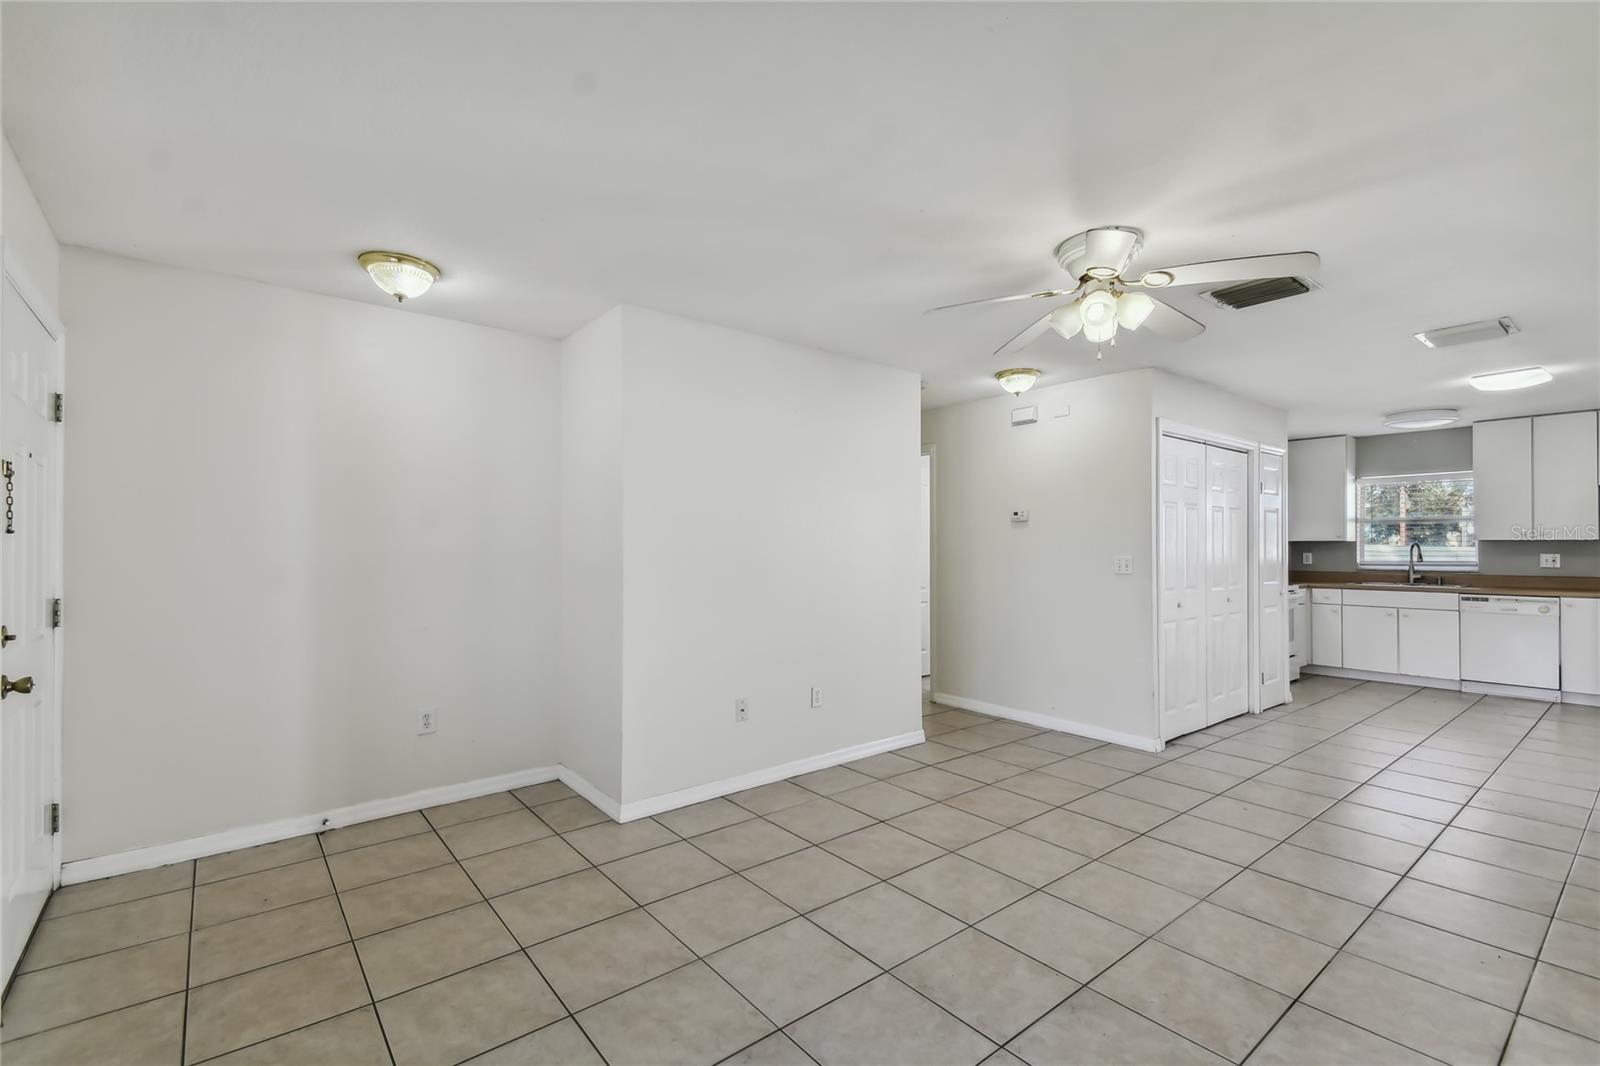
(23, 685)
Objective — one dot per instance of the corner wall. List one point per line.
(292, 522)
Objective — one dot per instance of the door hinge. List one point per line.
(57, 404)
(55, 818)
(55, 613)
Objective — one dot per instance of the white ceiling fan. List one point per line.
(1103, 299)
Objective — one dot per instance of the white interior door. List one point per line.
(1274, 577)
(1227, 635)
(30, 373)
(1181, 581)
(927, 564)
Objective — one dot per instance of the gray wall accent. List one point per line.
(1579, 558)
(1429, 451)
(1434, 451)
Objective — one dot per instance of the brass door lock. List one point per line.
(6, 636)
(23, 685)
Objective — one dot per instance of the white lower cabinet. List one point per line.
(1430, 644)
(1580, 644)
(1327, 635)
(1371, 639)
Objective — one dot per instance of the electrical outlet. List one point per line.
(1122, 564)
(1550, 561)
(741, 710)
(1305, 558)
(427, 722)
(816, 697)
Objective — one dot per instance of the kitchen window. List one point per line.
(1432, 509)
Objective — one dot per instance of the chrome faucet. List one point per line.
(1411, 566)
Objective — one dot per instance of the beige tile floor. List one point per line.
(1380, 874)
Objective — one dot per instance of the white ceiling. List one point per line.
(824, 173)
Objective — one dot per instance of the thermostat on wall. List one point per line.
(1019, 516)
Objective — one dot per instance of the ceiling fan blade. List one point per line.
(1048, 294)
(1219, 271)
(1025, 338)
(1172, 323)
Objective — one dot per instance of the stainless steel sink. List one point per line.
(1404, 585)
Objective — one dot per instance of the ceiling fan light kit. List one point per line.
(1098, 261)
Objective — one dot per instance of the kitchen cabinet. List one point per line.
(1327, 635)
(1566, 499)
(1430, 644)
(1537, 478)
(1322, 489)
(1580, 644)
(1371, 639)
(1502, 476)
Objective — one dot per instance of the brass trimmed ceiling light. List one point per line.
(1101, 297)
(1017, 380)
(405, 277)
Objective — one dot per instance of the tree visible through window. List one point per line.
(1434, 510)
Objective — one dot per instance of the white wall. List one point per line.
(1031, 617)
(32, 255)
(770, 545)
(291, 522)
(590, 720)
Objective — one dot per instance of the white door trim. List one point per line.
(932, 452)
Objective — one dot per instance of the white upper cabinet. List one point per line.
(1322, 489)
(1566, 499)
(1537, 478)
(1502, 477)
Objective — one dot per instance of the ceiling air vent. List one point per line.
(1260, 291)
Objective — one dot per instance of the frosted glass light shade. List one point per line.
(1099, 313)
(1506, 380)
(1017, 380)
(1133, 308)
(405, 277)
(1066, 320)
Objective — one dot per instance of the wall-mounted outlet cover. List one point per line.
(1019, 516)
(1550, 561)
(741, 710)
(1305, 558)
(1122, 564)
(816, 697)
(427, 722)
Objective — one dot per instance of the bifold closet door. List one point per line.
(1227, 627)
(1182, 600)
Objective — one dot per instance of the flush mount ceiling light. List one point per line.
(1506, 380)
(405, 277)
(1425, 418)
(1017, 380)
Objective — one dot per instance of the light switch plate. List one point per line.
(1122, 564)
(1305, 558)
(1550, 561)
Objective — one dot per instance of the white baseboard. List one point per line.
(1392, 679)
(124, 862)
(1045, 721)
(1521, 692)
(1588, 699)
(669, 801)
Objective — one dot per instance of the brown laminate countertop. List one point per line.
(1467, 584)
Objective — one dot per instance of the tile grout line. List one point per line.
(371, 999)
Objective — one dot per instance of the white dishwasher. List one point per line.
(1511, 640)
